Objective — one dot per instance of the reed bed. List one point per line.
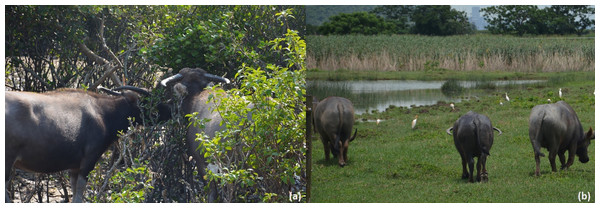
(462, 53)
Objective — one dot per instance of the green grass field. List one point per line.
(390, 162)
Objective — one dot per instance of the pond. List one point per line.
(369, 95)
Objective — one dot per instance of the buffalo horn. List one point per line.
(108, 91)
(166, 81)
(135, 89)
(448, 131)
(216, 78)
(499, 132)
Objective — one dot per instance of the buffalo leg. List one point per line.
(471, 163)
(465, 174)
(79, 188)
(73, 179)
(537, 165)
(552, 158)
(8, 170)
(478, 177)
(341, 151)
(346, 153)
(325, 147)
(571, 157)
(484, 175)
(212, 196)
(561, 157)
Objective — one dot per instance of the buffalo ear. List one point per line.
(590, 134)
(180, 90)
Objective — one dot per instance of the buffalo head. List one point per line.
(190, 81)
(582, 146)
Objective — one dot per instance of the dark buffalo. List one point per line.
(557, 128)
(66, 129)
(473, 137)
(334, 118)
(189, 84)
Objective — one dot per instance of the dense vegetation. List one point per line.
(390, 162)
(464, 53)
(444, 20)
(261, 48)
(425, 20)
(357, 23)
(528, 19)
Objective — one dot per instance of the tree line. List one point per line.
(442, 20)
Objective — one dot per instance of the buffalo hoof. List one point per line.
(342, 165)
(465, 176)
(484, 178)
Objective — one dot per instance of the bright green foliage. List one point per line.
(220, 39)
(267, 151)
(135, 182)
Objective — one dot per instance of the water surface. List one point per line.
(369, 95)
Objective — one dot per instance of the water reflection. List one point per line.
(379, 95)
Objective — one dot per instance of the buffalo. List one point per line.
(557, 128)
(67, 129)
(189, 84)
(334, 118)
(473, 137)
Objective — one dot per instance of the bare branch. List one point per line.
(105, 47)
(37, 77)
(90, 54)
(107, 73)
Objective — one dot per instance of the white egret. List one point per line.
(506, 96)
(414, 122)
(452, 106)
(560, 92)
(377, 122)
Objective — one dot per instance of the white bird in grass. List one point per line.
(452, 106)
(506, 96)
(377, 122)
(501, 103)
(549, 101)
(560, 92)
(414, 122)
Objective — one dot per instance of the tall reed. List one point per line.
(463, 53)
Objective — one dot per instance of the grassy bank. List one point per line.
(463, 53)
(390, 162)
